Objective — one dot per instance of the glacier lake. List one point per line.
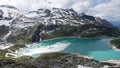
(95, 47)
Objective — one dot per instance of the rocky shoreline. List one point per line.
(54, 60)
(113, 46)
(113, 61)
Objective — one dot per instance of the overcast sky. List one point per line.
(108, 9)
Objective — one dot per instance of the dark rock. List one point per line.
(3, 30)
(1, 14)
(47, 11)
(8, 6)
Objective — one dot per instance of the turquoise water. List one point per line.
(95, 47)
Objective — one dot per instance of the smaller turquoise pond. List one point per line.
(95, 47)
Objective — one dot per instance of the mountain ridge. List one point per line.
(44, 24)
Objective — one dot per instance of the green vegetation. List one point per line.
(36, 37)
(87, 30)
(22, 36)
(13, 48)
(61, 31)
(116, 42)
(90, 33)
(58, 33)
(2, 53)
(11, 63)
(51, 56)
(16, 47)
(20, 39)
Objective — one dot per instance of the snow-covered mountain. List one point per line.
(11, 16)
(17, 27)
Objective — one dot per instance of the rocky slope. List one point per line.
(19, 28)
(53, 60)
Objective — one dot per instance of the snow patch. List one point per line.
(5, 45)
(115, 48)
(80, 66)
(39, 48)
(4, 22)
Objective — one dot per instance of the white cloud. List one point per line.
(82, 6)
(108, 9)
(79, 5)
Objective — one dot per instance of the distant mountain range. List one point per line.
(20, 28)
(116, 23)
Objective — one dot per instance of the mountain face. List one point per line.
(19, 28)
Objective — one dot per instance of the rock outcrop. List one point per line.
(52, 60)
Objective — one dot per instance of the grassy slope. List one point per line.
(116, 42)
